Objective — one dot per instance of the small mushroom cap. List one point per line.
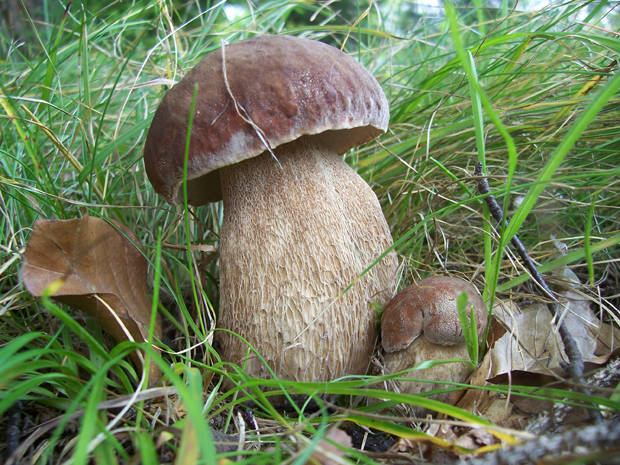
(429, 307)
(402, 322)
(268, 89)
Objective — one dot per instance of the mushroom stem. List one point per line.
(297, 232)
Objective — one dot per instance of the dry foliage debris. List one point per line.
(91, 265)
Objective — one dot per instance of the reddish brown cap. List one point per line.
(402, 320)
(429, 307)
(287, 86)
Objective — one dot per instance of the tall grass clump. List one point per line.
(532, 95)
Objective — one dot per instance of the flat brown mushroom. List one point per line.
(272, 117)
(421, 323)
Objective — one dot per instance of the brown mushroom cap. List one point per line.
(402, 321)
(279, 89)
(429, 307)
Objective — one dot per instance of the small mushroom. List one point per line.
(421, 323)
(273, 115)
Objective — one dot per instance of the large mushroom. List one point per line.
(421, 323)
(272, 116)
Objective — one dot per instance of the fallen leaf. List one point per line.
(529, 345)
(326, 453)
(99, 271)
(528, 350)
(532, 344)
(608, 343)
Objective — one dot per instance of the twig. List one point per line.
(555, 419)
(584, 441)
(575, 365)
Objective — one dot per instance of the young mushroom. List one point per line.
(421, 323)
(273, 115)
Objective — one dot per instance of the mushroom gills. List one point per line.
(300, 226)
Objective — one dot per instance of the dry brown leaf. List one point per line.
(608, 343)
(101, 271)
(529, 351)
(493, 406)
(532, 343)
(325, 452)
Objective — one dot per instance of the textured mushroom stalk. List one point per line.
(297, 232)
(421, 323)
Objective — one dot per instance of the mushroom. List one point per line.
(421, 323)
(273, 115)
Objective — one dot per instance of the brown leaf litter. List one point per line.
(94, 266)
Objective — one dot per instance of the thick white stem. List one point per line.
(297, 233)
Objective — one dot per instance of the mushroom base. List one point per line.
(421, 350)
(297, 233)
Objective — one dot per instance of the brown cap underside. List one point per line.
(281, 88)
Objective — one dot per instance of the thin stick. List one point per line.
(595, 440)
(575, 365)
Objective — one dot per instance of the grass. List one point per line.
(532, 95)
